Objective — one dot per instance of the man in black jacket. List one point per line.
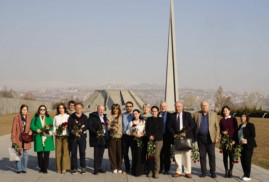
(98, 128)
(181, 121)
(166, 149)
(77, 127)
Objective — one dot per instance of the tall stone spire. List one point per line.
(171, 86)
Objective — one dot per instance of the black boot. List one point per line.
(226, 173)
(230, 173)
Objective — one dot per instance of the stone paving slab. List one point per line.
(7, 170)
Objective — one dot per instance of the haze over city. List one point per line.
(46, 44)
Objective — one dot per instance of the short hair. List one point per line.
(101, 106)
(163, 102)
(58, 109)
(222, 110)
(203, 102)
(79, 103)
(246, 114)
(23, 106)
(146, 105)
(71, 102)
(115, 106)
(129, 102)
(155, 107)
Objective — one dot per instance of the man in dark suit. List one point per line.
(181, 120)
(166, 149)
(97, 122)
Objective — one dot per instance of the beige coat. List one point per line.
(17, 129)
(213, 121)
(110, 118)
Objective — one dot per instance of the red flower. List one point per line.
(64, 124)
(194, 161)
(188, 128)
(134, 125)
(117, 117)
(19, 152)
(151, 156)
(50, 125)
(235, 161)
(221, 151)
(76, 123)
(102, 123)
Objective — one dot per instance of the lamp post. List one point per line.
(264, 115)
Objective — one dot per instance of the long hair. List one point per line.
(38, 111)
(58, 109)
(115, 106)
(23, 106)
(247, 116)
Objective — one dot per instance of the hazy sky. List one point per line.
(96, 41)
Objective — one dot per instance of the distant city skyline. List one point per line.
(46, 44)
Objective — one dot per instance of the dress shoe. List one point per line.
(166, 172)
(24, 172)
(213, 175)
(230, 174)
(95, 172)
(45, 171)
(100, 170)
(188, 175)
(202, 175)
(176, 175)
(18, 172)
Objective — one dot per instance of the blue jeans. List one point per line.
(22, 164)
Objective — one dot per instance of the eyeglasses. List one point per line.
(129, 106)
(42, 109)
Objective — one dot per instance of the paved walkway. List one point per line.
(7, 170)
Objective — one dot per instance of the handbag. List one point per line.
(26, 138)
(183, 144)
(13, 156)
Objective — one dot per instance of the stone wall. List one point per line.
(11, 105)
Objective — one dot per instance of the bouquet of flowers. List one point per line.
(195, 154)
(136, 139)
(45, 130)
(236, 153)
(151, 149)
(77, 127)
(61, 128)
(183, 130)
(100, 131)
(17, 149)
(114, 123)
(226, 143)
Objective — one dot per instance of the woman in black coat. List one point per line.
(246, 136)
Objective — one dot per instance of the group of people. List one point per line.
(150, 136)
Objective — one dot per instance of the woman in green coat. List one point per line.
(42, 125)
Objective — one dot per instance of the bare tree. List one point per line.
(222, 100)
(29, 96)
(254, 100)
(8, 93)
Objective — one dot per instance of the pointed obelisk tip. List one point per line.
(171, 86)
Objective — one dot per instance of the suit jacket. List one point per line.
(249, 134)
(213, 122)
(154, 127)
(94, 126)
(17, 129)
(71, 123)
(187, 121)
